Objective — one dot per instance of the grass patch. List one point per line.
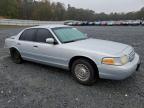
(11, 26)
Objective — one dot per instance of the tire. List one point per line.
(16, 57)
(84, 72)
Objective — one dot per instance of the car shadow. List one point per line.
(100, 82)
(111, 84)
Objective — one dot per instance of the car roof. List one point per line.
(50, 26)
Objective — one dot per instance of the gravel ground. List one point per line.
(31, 85)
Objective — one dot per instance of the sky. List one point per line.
(106, 6)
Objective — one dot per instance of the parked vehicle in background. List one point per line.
(73, 23)
(70, 22)
(118, 23)
(125, 23)
(143, 23)
(135, 22)
(66, 47)
(97, 23)
(104, 23)
(78, 23)
(110, 23)
(84, 23)
(91, 23)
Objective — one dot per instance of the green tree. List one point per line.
(9, 8)
(42, 10)
(140, 14)
(58, 11)
(48, 10)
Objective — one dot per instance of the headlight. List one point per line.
(115, 60)
(124, 60)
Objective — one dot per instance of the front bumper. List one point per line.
(119, 72)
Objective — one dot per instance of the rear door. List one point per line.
(26, 43)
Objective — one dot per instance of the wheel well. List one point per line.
(13, 49)
(82, 57)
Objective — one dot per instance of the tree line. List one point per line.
(47, 10)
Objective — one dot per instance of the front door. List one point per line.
(47, 53)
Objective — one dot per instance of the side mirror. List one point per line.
(50, 41)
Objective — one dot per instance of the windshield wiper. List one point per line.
(70, 41)
(75, 40)
(83, 38)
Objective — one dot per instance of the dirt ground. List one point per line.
(31, 85)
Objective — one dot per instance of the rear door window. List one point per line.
(28, 35)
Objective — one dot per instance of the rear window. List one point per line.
(28, 35)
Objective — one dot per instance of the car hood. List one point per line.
(98, 46)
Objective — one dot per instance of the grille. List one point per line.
(132, 56)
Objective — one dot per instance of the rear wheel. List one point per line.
(15, 55)
(84, 72)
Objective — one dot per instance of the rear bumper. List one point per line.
(119, 72)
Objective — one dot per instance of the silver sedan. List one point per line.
(66, 47)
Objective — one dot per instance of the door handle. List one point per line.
(35, 46)
(18, 44)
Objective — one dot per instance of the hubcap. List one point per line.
(82, 72)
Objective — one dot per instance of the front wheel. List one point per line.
(15, 55)
(83, 72)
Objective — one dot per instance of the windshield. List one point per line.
(68, 34)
